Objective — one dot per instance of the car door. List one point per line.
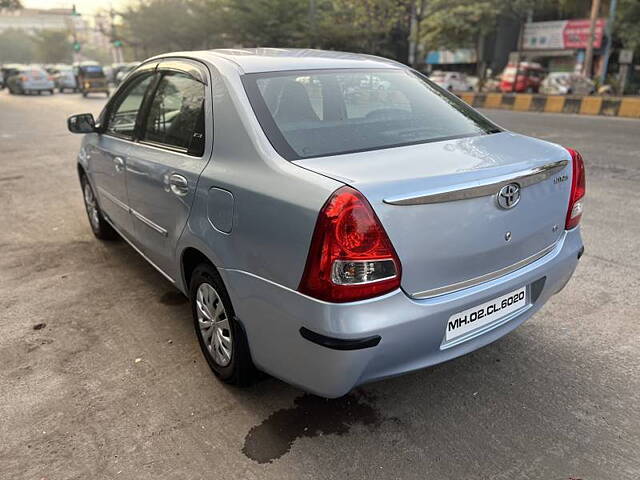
(107, 156)
(165, 164)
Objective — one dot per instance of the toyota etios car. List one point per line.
(327, 231)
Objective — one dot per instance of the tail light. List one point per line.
(578, 190)
(23, 78)
(50, 78)
(351, 257)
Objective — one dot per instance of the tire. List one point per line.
(99, 226)
(51, 92)
(234, 365)
(84, 94)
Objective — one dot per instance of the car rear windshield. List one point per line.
(329, 112)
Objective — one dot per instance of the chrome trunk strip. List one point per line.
(482, 188)
(472, 282)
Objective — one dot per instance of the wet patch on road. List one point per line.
(173, 298)
(311, 416)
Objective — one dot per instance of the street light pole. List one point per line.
(607, 47)
(588, 61)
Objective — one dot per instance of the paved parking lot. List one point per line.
(102, 377)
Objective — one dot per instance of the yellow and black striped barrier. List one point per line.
(533, 102)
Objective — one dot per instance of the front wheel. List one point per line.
(221, 337)
(99, 226)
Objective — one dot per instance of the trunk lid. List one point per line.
(446, 242)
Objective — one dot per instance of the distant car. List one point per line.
(64, 78)
(124, 71)
(335, 242)
(529, 78)
(90, 78)
(564, 83)
(9, 69)
(30, 79)
(453, 81)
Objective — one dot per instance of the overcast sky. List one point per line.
(83, 6)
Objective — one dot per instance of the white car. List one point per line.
(451, 81)
(563, 83)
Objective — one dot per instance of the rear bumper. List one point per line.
(411, 332)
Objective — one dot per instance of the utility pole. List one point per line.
(607, 47)
(312, 23)
(588, 60)
(417, 9)
(520, 45)
(76, 44)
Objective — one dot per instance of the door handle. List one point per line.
(178, 185)
(118, 163)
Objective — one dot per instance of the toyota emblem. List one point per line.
(508, 196)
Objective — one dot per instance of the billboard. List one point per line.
(561, 34)
(444, 57)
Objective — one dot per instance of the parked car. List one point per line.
(451, 80)
(29, 79)
(64, 78)
(332, 245)
(563, 83)
(124, 71)
(9, 69)
(529, 78)
(90, 78)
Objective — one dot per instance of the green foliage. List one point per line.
(158, 26)
(10, 4)
(16, 46)
(52, 46)
(269, 23)
(373, 26)
(627, 25)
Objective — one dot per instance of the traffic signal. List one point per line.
(76, 46)
(117, 43)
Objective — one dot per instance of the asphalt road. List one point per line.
(101, 375)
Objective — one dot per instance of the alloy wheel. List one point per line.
(214, 324)
(92, 206)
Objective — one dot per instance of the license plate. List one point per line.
(476, 317)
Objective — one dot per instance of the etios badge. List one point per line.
(508, 196)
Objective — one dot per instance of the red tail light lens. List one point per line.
(23, 78)
(351, 257)
(578, 190)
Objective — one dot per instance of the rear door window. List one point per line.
(176, 115)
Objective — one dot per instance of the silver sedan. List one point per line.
(328, 231)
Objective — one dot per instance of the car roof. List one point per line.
(256, 60)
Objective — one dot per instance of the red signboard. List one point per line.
(576, 33)
(561, 34)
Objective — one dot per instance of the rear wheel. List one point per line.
(99, 226)
(221, 337)
(84, 94)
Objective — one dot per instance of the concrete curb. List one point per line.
(533, 102)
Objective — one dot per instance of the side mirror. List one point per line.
(81, 123)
